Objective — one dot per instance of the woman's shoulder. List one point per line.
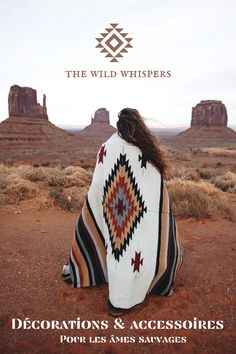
(115, 139)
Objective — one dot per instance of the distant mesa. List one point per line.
(28, 122)
(100, 126)
(208, 123)
(101, 116)
(22, 102)
(209, 113)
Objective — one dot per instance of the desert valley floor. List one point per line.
(36, 245)
(37, 225)
(42, 191)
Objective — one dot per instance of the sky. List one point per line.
(195, 40)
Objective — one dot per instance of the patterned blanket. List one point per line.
(126, 234)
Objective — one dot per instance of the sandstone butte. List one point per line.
(100, 125)
(28, 124)
(208, 123)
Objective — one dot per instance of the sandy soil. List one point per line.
(36, 244)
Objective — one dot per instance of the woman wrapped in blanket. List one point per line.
(126, 234)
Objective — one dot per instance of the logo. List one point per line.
(114, 42)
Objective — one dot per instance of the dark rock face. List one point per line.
(101, 116)
(22, 101)
(209, 113)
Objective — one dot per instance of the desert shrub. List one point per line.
(15, 193)
(71, 176)
(59, 199)
(226, 182)
(220, 151)
(188, 199)
(74, 180)
(23, 171)
(13, 187)
(18, 183)
(184, 173)
(54, 181)
(35, 174)
(206, 173)
(198, 200)
(225, 209)
(76, 196)
(209, 173)
(72, 201)
(4, 182)
(70, 170)
(51, 185)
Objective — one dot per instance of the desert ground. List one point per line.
(41, 195)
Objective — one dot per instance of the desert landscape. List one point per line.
(45, 173)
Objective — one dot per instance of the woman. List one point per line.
(126, 234)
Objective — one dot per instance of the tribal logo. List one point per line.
(114, 42)
(123, 206)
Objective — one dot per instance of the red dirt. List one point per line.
(35, 246)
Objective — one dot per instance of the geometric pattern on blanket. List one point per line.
(123, 206)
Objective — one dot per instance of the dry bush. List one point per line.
(54, 181)
(8, 176)
(16, 173)
(225, 209)
(59, 199)
(188, 199)
(70, 199)
(70, 186)
(4, 182)
(184, 173)
(35, 174)
(226, 182)
(67, 188)
(70, 170)
(221, 151)
(74, 180)
(13, 187)
(199, 200)
(48, 184)
(14, 193)
(76, 196)
(71, 176)
(209, 173)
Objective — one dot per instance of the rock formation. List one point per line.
(28, 123)
(209, 113)
(208, 125)
(101, 116)
(22, 102)
(100, 125)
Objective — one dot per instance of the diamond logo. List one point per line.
(123, 206)
(114, 43)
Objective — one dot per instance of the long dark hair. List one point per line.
(131, 127)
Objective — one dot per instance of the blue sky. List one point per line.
(194, 39)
